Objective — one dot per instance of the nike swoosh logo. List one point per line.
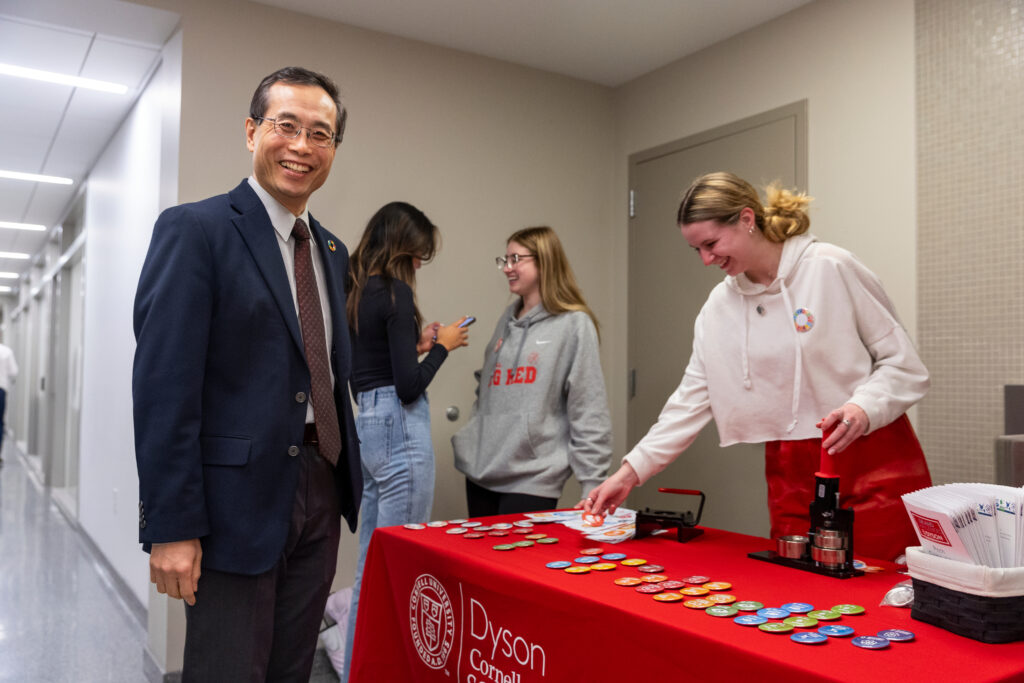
(544, 342)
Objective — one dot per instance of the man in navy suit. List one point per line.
(245, 443)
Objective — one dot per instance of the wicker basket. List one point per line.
(972, 601)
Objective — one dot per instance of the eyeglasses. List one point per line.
(291, 130)
(512, 260)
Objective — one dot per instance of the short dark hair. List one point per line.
(297, 75)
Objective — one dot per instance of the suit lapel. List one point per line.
(335, 271)
(253, 224)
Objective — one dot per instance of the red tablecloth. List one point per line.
(437, 607)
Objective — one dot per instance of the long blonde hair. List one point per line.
(722, 196)
(558, 289)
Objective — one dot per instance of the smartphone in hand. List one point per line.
(467, 322)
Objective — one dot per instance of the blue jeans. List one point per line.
(398, 473)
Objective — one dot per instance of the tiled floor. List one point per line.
(60, 617)
(59, 620)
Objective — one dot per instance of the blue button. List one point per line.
(871, 642)
(798, 607)
(773, 613)
(587, 559)
(808, 638)
(749, 620)
(836, 631)
(560, 564)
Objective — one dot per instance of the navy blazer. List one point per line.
(220, 383)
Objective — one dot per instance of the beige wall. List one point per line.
(857, 73)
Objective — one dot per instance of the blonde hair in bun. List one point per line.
(785, 215)
(721, 196)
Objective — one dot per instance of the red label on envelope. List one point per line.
(930, 529)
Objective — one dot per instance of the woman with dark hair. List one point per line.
(541, 412)
(800, 348)
(388, 379)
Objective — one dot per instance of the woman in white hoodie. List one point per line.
(799, 340)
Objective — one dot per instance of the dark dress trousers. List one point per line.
(220, 383)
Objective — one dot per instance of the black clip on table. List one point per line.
(685, 523)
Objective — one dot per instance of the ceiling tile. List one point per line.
(41, 47)
(119, 62)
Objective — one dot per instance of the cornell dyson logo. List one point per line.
(431, 621)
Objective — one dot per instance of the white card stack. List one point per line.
(975, 523)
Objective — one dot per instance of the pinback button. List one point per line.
(414, 526)
(591, 551)
(603, 566)
(697, 579)
(523, 544)
(473, 534)
(586, 559)
(801, 622)
(524, 523)
(437, 524)
(824, 615)
(502, 525)
(577, 570)
(628, 581)
(749, 619)
(776, 627)
(650, 588)
(797, 607)
(497, 532)
(547, 541)
(470, 525)
(483, 528)
(836, 631)
(772, 613)
(871, 642)
(897, 635)
(633, 562)
(698, 603)
(654, 578)
(718, 586)
(808, 638)
(722, 611)
(456, 521)
(668, 597)
(520, 531)
(651, 569)
(721, 598)
(672, 585)
(535, 537)
(504, 546)
(694, 590)
(558, 564)
(456, 530)
(849, 609)
(613, 557)
(749, 606)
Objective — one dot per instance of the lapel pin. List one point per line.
(331, 245)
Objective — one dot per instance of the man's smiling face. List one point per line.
(291, 169)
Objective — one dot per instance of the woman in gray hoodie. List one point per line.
(541, 412)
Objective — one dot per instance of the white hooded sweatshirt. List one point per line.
(770, 361)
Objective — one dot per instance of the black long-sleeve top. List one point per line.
(384, 350)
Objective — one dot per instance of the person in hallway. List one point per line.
(541, 412)
(8, 371)
(388, 379)
(799, 340)
(244, 434)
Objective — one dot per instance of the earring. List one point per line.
(751, 230)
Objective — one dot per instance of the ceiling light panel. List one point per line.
(34, 177)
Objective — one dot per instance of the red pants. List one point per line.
(873, 472)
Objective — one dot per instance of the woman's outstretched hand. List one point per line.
(606, 498)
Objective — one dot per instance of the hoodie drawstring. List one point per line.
(798, 360)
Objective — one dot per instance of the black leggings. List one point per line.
(485, 503)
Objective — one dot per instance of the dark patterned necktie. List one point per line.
(314, 339)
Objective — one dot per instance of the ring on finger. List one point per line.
(846, 422)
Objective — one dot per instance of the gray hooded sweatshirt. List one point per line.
(541, 412)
